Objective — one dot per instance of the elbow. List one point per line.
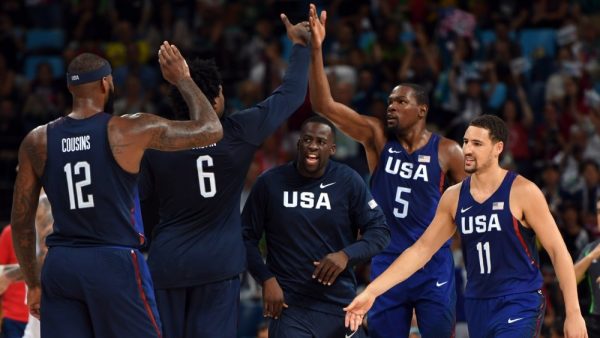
(319, 105)
(215, 130)
(386, 238)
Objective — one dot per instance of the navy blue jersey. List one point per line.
(499, 252)
(198, 238)
(94, 201)
(408, 188)
(305, 219)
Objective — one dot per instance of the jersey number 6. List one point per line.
(206, 177)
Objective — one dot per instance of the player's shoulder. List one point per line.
(276, 172)
(453, 191)
(344, 171)
(522, 186)
(449, 200)
(448, 145)
(36, 137)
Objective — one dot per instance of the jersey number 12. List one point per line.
(76, 198)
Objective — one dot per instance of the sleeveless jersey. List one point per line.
(94, 201)
(408, 188)
(499, 252)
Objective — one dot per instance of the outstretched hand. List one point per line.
(298, 33)
(172, 64)
(317, 26)
(356, 310)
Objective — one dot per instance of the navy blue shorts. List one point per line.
(299, 322)
(431, 292)
(97, 292)
(511, 316)
(200, 311)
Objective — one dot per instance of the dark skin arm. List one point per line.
(131, 135)
(367, 130)
(451, 160)
(32, 159)
(128, 138)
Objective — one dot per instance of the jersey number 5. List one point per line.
(403, 211)
(76, 198)
(208, 186)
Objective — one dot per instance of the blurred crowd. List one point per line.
(533, 63)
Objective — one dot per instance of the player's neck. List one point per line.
(414, 138)
(487, 181)
(85, 107)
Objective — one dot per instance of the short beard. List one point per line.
(109, 106)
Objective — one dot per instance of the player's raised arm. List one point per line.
(204, 127)
(535, 213)
(365, 129)
(439, 231)
(132, 134)
(258, 122)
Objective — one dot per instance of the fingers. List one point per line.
(273, 309)
(168, 52)
(353, 320)
(323, 17)
(327, 274)
(267, 309)
(276, 310)
(317, 271)
(320, 271)
(335, 273)
(35, 311)
(312, 15)
(285, 20)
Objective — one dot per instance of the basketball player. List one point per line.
(408, 164)
(311, 211)
(197, 253)
(87, 163)
(498, 215)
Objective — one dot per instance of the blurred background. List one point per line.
(533, 63)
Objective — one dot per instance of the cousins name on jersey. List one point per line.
(77, 143)
(308, 200)
(406, 170)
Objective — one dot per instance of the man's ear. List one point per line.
(499, 147)
(423, 110)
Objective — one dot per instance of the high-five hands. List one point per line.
(298, 33)
(317, 26)
(172, 64)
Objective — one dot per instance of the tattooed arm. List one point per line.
(32, 159)
(131, 135)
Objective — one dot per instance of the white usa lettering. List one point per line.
(307, 200)
(480, 224)
(407, 170)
